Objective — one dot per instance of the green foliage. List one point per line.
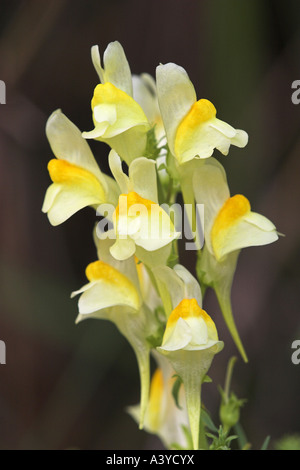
(220, 441)
(288, 442)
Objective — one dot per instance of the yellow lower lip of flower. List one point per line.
(128, 113)
(230, 214)
(132, 199)
(189, 309)
(201, 112)
(100, 271)
(65, 173)
(156, 221)
(186, 309)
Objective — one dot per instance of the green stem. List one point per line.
(192, 387)
(229, 378)
(225, 305)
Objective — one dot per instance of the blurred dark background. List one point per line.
(67, 386)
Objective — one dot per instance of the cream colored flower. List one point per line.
(77, 179)
(229, 223)
(190, 343)
(190, 339)
(229, 226)
(192, 128)
(118, 119)
(164, 417)
(141, 225)
(114, 293)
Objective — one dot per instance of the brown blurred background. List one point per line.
(67, 386)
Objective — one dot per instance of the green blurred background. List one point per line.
(67, 386)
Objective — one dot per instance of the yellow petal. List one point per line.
(144, 221)
(73, 189)
(116, 69)
(189, 310)
(98, 271)
(186, 309)
(65, 173)
(107, 287)
(117, 110)
(155, 400)
(236, 227)
(232, 211)
(200, 133)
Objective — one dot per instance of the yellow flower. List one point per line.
(189, 328)
(163, 415)
(229, 226)
(190, 343)
(191, 125)
(175, 285)
(141, 225)
(190, 339)
(77, 179)
(229, 223)
(118, 119)
(114, 293)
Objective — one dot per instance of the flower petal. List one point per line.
(154, 228)
(236, 227)
(108, 287)
(211, 190)
(116, 68)
(74, 188)
(251, 230)
(142, 173)
(115, 165)
(68, 144)
(176, 95)
(200, 133)
(178, 337)
(118, 108)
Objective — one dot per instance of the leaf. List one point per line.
(266, 443)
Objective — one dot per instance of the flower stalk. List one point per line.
(166, 138)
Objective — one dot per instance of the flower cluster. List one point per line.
(161, 142)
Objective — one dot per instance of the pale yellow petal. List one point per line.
(176, 95)
(237, 227)
(68, 144)
(116, 69)
(108, 287)
(200, 133)
(73, 188)
(127, 112)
